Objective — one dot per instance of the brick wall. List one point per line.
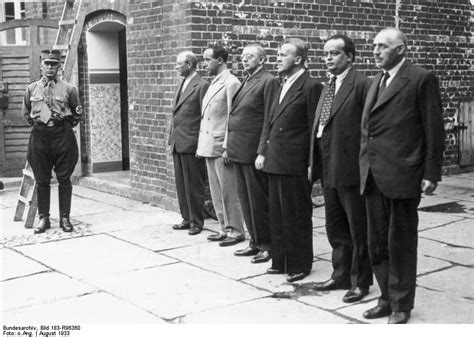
(438, 33)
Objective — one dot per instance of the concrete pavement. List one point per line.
(124, 264)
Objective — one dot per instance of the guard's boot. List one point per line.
(42, 225)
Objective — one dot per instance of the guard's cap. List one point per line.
(51, 56)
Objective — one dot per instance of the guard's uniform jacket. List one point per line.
(51, 102)
(53, 108)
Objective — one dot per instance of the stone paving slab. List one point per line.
(16, 265)
(90, 256)
(40, 288)
(429, 220)
(221, 260)
(459, 233)
(177, 289)
(435, 307)
(320, 244)
(456, 281)
(96, 308)
(440, 250)
(430, 307)
(428, 264)
(119, 220)
(161, 237)
(265, 311)
(435, 199)
(84, 195)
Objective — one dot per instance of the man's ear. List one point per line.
(401, 49)
(220, 60)
(299, 60)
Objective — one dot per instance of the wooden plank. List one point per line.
(466, 133)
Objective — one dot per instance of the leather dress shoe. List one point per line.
(296, 276)
(355, 294)
(65, 224)
(42, 225)
(274, 271)
(261, 257)
(194, 231)
(249, 251)
(230, 241)
(217, 237)
(377, 312)
(181, 226)
(330, 285)
(399, 317)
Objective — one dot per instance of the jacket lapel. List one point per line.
(214, 88)
(187, 92)
(346, 87)
(176, 94)
(372, 93)
(399, 81)
(246, 87)
(292, 94)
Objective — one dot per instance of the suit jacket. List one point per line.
(249, 106)
(285, 137)
(402, 138)
(184, 131)
(215, 109)
(338, 164)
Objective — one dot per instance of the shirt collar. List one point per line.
(259, 68)
(294, 77)
(220, 75)
(45, 81)
(341, 76)
(392, 72)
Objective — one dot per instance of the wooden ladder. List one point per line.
(27, 198)
(67, 41)
(69, 34)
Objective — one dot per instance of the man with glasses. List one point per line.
(249, 106)
(52, 107)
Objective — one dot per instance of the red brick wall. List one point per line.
(438, 34)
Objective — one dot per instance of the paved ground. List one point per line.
(124, 264)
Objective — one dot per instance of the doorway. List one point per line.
(108, 97)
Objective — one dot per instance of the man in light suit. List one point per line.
(400, 157)
(215, 109)
(188, 170)
(334, 157)
(252, 100)
(284, 155)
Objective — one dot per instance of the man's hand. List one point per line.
(226, 158)
(428, 187)
(259, 162)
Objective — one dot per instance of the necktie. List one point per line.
(383, 84)
(45, 112)
(327, 102)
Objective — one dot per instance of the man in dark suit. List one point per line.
(253, 98)
(400, 157)
(334, 157)
(284, 154)
(188, 170)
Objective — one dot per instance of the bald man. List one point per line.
(402, 142)
(189, 171)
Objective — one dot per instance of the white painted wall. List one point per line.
(102, 49)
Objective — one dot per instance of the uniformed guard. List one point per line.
(52, 107)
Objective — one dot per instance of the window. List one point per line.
(13, 10)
